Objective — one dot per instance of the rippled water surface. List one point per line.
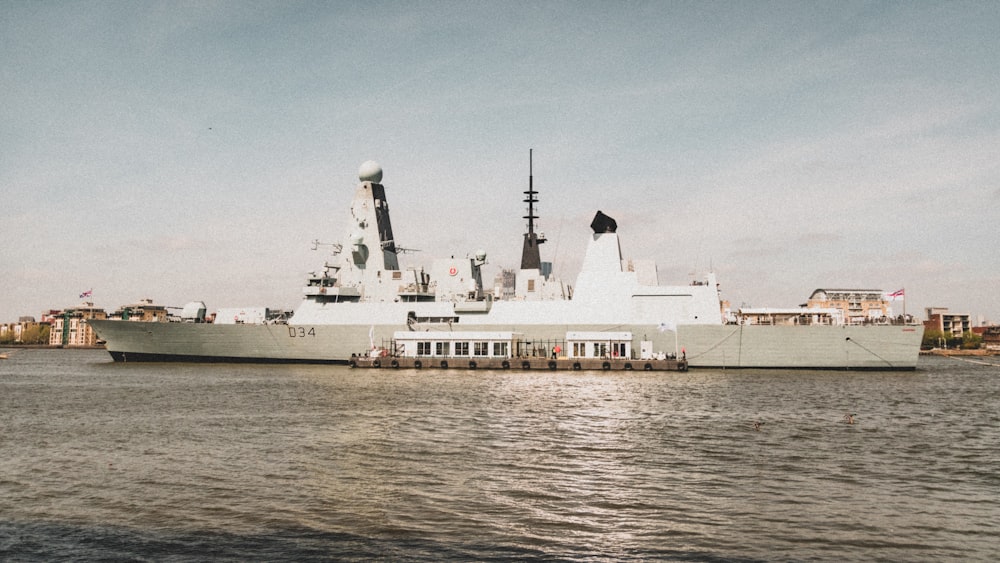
(190, 462)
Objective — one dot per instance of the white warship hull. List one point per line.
(362, 298)
(880, 347)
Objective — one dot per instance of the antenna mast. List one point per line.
(531, 193)
(530, 257)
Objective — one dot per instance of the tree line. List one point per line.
(941, 339)
(38, 334)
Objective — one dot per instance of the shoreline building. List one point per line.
(789, 316)
(504, 284)
(990, 336)
(24, 327)
(71, 329)
(144, 311)
(856, 306)
(954, 324)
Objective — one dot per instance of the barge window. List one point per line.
(461, 348)
(481, 349)
(443, 348)
(423, 348)
(500, 349)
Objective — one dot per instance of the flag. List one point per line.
(668, 325)
(87, 293)
(898, 294)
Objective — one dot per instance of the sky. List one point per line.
(184, 151)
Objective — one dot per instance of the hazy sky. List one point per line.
(192, 150)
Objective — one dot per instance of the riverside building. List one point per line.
(144, 311)
(71, 327)
(856, 306)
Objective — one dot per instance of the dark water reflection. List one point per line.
(188, 462)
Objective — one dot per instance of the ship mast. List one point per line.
(530, 257)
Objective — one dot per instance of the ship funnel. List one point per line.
(603, 224)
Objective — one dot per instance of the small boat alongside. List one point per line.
(521, 364)
(502, 350)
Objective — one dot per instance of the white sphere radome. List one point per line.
(370, 171)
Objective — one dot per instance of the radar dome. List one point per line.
(370, 171)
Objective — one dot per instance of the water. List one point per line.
(232, 462)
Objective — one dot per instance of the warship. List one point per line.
(362, 304)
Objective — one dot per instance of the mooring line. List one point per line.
(849, 339)
(720, 343)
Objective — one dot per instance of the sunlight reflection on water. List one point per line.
(112, 460)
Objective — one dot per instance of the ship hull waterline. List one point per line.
(845, 347)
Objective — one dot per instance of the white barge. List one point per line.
(509, 350)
